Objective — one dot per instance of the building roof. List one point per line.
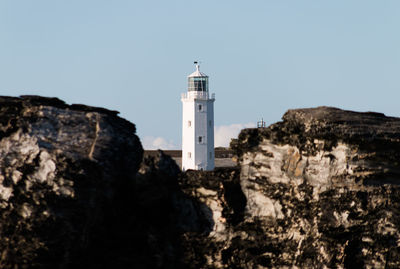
(197, 73)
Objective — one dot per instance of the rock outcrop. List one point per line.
(62, 170)
(177, 218)
(318, 190)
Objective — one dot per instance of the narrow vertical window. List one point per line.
(200, 107)
(189, 123)
(200, 139)
(189, 155)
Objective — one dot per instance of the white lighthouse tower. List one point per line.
(198, 124)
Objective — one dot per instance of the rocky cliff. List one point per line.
(318, 190)
(62, 170)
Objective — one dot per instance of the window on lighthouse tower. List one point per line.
(201, 139)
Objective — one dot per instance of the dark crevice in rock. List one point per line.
(236, 201)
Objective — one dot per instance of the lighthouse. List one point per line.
(198, 123)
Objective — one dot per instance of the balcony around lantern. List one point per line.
(198, 95)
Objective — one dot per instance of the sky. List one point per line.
(263, 57)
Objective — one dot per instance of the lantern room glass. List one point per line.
(199, 84)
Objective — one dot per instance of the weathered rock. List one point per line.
(154, 230)
(318, 190)
(218, 205)
(178, 220)
(62, 167)
(323, 188)
(175, 213)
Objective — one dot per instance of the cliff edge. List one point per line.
(320, 189)
(323, 188)
(62, 170)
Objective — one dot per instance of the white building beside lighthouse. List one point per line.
(198, 124)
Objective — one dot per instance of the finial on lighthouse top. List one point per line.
(197, 73)
(197, 81)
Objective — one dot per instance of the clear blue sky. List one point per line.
(263, 57)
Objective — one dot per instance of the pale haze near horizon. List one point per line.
(263, 58)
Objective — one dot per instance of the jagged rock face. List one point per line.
(214, 206)
(61, 169)
(152, 230)
(179, 220)
(318, 190)
(322, 190)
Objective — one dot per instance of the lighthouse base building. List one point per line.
(198, 124)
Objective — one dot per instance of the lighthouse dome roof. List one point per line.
(197, 73)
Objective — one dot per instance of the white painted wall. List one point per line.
(188, 134)
(210, 135)
(202, 124)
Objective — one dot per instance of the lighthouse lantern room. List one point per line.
(198, 124)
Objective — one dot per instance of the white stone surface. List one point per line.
(285, 164)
